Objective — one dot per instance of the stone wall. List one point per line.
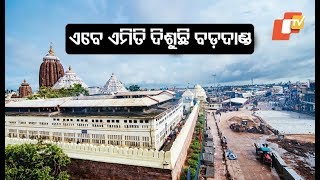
(180, 146)
(110, 154)
(83, 169)
(283, 170)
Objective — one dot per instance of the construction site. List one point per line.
(247, 147)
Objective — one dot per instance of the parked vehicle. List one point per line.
(264, 153)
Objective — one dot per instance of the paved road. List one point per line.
(242, 144)
(219, 164)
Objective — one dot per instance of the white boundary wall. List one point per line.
(110, 154)
(178, 144)
(120, 155)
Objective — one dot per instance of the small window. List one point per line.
(67, 119)
(97, 120)
(130, 121)
(81, 120)
(57, 119)
(54, 119)
(86, 120)
(108, 121)
(117, 121)
(141, 121)
(125, 121)
(77, 120)
(146, 121)
(135, 121)
(100, 120)
(92, 120)
(63, 119)
(71, 119)
(112, 121)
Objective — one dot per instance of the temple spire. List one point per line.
(51, 52)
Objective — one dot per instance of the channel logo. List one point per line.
(292, 22)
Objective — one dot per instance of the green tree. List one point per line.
(47, 92)
(134, 88)
(77, 89)
(35, 161)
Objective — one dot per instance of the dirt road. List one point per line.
(242, 144)
(219, 164)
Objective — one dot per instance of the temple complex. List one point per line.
(113, 86)
(69, 79)
(50, 70)
(24, 90)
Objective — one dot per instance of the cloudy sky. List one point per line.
(31, 26)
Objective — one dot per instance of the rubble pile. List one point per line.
(247, 124)
(295, 149)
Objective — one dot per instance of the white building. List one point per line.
(94, 90)
(260, 93)
(130, 119)
(277, 90)
(215, 106)
(187, 98)
(246, 95)
(235, 102)
(68, 80)
(113, 86)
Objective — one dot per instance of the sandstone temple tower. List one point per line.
(25, 90)
(50, 70)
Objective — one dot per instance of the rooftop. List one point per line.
(150, 113)
(236, 100)
(95, 101)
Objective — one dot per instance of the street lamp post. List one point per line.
(214, 82)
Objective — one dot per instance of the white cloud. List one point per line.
(271, 61)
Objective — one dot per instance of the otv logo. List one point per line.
(291, 23)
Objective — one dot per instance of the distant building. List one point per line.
(187, 99)
(25, 90)
(246, 95)
(277, 90)
(311, 85)
(215, 106)
(50, 70)
(94, 90)
(260, 93)
(308, 102)
(69, 79)
(113, 86)
(230, 94)
(235, 102)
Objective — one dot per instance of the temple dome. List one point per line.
(200, 93)
(113, 86)
(51, 70)
(68, 80)
(188, 93)
(25, 90)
